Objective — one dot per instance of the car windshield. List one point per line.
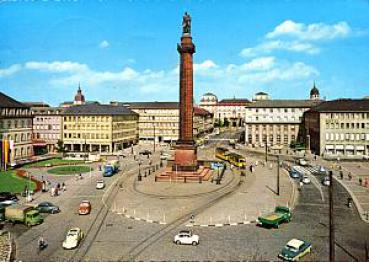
(72, 233)
(291, 248)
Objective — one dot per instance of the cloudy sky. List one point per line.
(126, 50)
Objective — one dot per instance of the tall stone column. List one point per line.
(186, 153)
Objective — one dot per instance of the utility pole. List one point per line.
(331, 222)
(266, 152)
(154, 137)
(278, 175)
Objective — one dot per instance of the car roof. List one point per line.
(85, 201)
(295, 243)
(184, 231)
(74, 229)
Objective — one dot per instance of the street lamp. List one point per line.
(154, 136)
(139, 171)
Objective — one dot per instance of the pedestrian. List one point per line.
(58, 186)
(360, 181)
(341, 175)
(80, 176)
(349, 176)
(64, 187)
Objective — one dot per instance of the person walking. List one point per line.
(64, 187)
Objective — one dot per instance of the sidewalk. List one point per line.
(165, 202)
(359, 193)
(358, 169)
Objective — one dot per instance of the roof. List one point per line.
(201, 111)
(261, 94)
(98, 109)
(343, 105)
(150, 105)
(234, 102)
(47, 110)
(295, 243)
(276, 103)
(36, 104)
(8, 102)
(209, 94)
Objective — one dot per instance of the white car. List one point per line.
(100, 184)
(306, 180)
(326, 181)
(186, 237)
(165, 156)
(322, 170)
(73, 238)
(303, 162)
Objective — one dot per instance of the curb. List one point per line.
(143, 219)
(222, 225)
(356, 201)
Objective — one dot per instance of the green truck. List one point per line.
(27, 215)
(280, 215)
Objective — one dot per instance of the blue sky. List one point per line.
(126, 50)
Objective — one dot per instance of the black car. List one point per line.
(47, 207)
(7, 196)
(145, 152)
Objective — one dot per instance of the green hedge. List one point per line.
(54, 162)
(69, 170)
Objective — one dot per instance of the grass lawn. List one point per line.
(69, 170)
(10, 182)
(54, 162)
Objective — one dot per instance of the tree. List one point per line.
(60, 148)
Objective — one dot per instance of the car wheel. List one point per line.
(178, 242)
(194, 243)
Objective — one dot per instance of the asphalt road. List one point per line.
(113, 237)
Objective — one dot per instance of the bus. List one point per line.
(222, 153)
(237, 160)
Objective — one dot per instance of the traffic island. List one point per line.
(69, 170)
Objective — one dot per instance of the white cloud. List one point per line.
(311, 32)
(104, 44)
(10, 70)
(57, 66)
(117, 85)
(268, 47)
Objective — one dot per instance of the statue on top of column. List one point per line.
(186, 23)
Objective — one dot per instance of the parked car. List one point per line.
(294, 174)
(145, 152)
(305, 179)
(322, 170)
(8, 198)
(84, 207)
(186, 237)
(73, 238)
(294, 250)
(303, 162)
(326, 181)
(100, 184)
(165, 156)
(47, 207)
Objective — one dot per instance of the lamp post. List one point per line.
(278, 167)
(266, 152)
(139, 171)
(331, 220)
(154, 136)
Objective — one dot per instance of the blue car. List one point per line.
(294, 174)
(294, 250)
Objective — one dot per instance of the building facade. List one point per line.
(47, 123)
(274, 123)
(99, 128)
(160, 120)
(15, 131)
(230, 112)
(339, 128)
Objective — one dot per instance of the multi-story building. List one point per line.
(274, 123)
(160, 120)
(339, 128)
(99, 128)
(15, 131)
(231, 111)
(46, 128)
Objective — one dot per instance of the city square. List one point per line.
(165, 165)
